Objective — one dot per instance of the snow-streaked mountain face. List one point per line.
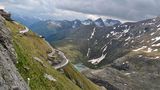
(88, 22)
(111, 22)
(105, 44)
(76, 23)
(99, 22)
(128, 53)
(59, 29)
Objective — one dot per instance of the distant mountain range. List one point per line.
(122, 56)
(28, 21)
(54, 30)
(126, 55)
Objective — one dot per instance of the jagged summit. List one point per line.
(88, 22)
(99, 22)
(111, 22)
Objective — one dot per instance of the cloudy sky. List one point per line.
(130, 10)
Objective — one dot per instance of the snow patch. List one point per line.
(74, 25)
(143, 47)
(55, 23)
(152, 33)
(140, 55)
(158, 29)
(154, 20)
(149, 50)
(107, 36)
(142, 41)
(119, 36)
(94, 30)
(126, 44)
(157, 57)
(156, 45)
(149, 23)
(113, 33)
(126, 30)
(155, 39)
(144, 31)
(155, 50)
(125, 26)
(158, 26)
(132, 41)
(128, 39)
(138, 36)
(105, 48)
(89, 49)
(127, 74)
(148, 41)
(97, 60)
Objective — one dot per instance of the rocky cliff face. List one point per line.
(10, 79)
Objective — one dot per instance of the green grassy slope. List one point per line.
(28, 46)
(71, 51)
(79, 79)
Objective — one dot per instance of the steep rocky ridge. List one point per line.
(10, 78)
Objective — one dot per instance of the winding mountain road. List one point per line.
(64, 61)
(24, 31)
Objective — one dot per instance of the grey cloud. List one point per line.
(124, 9)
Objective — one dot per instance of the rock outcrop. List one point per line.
(6, 15)
(10, 79)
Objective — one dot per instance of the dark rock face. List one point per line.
(10, 79)
(54, 30)
(6, 15)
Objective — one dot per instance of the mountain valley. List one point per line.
(119, 56)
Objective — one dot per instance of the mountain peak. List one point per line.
(76, 23)
(99, 22)
(111, 22)
(88, 22)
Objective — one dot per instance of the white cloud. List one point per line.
(2, 7)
